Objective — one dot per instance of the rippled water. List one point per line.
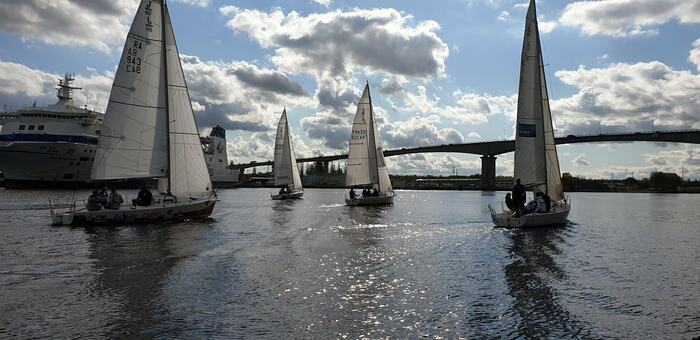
(431, 265)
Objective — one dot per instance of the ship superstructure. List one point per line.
(222, 176)
(53, 144)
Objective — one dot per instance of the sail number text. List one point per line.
(133, 57)
(359, 134)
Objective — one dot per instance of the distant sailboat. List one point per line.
(149, 130)
(536, 161)
(366, 168)
(285, 165)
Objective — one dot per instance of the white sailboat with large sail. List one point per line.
(536, 161)
(285, 165)
(149, 130)
(366, 168)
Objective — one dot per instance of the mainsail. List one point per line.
(536, 161)
(365, 165)
(285, 164)
(149, 128)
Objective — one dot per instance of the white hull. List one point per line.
(295, 195)
(556, 217)
(127, 213)
(384, 199)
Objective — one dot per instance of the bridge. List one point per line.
(489, 150)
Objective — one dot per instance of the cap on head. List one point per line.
(517, 181)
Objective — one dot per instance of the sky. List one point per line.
(439, 72)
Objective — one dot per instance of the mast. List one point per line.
(371, 126)
(167, 90)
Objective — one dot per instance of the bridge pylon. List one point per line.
(488, 172)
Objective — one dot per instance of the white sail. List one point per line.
(189, 174)
(366, 165)
(133, 140)
(536, 161)
(285, 164)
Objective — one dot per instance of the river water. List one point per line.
(431, 265)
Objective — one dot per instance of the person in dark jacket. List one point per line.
(519, 196)
(144, 198)
(95, 201)
(509, 202)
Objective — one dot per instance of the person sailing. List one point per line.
(114, 200)
(519, 196)
(353, 195)
(509, 202)
(144, 198)
(95, 201)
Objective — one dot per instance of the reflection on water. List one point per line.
(431, 265)
(530, 276)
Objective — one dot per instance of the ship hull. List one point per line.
(37, 162)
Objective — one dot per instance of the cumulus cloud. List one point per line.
(579, 160)
(503, 16)
(622, 18)
(419, 131)
(21, 86)
(628, 97)
(324, 3)
(200, 3)
(695, 54)
(239, 95)
(433, 164)
(99, 24)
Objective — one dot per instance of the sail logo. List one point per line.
(527, 130)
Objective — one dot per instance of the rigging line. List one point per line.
(144, 38)
(139, 105)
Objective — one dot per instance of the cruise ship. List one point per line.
(54, 146)
(49, 146)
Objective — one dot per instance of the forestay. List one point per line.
(536, 161)
(366, 165)
(133, 141)
(285, 163)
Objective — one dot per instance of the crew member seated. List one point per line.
(144, 198)
(375, 193)
(537, 205)
(353, 195)
(283, 190)
(95, 201)
(509, 202)
(114, 200)
(365, 192)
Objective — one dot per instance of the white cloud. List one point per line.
(622, 18)
(546, 26)
(503, 16)
(324, 3)
(695, 54)
(474, 135)
(418, 131)
(579, 160)
(628, 97)
(99, 24)
(21, 85)
(200, 3)
(424, 164)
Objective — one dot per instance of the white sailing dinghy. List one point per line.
(536, 161)
(149, 130)
(366, 168)
(285, 164)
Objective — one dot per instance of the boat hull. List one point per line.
(371, 200)
(135, 214)
(557, 217)
(290, 196)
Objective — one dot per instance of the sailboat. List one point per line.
(536, 160)
(366, 168)
(149, 130)
(285, 164)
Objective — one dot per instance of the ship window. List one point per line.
(67, 176)
(21, 127)
(41, 127)
(31, 127)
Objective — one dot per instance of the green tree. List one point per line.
(664, 181)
